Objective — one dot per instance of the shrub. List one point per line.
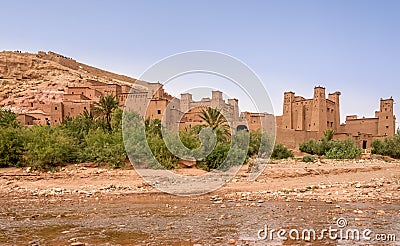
(8, 118)
(103, 147)
(308, 158)
(260, 143)
(309, 147)
(161, 154)
(80, 126)
(332, 149)
(46, 147)
(11, 146)
(388, 147)
(216, 157)
(281, 152)
(189, 139)
(345, 149)
(320, 147)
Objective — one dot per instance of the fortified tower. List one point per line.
(318, 112)
(334, 97)
(386, 118)
(235, 105)
(287, 121)
(186, 99)
(216, 99)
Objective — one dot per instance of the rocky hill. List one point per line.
(43, 77)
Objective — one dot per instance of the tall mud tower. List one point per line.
(318, 112)
(386, 118)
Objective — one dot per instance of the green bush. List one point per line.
(389, 146)
(345, 149)
(260, 143)
(161, 154)
(8, 118)
(281, 152)
(332, 149)
(308, 158)
(11, 146)
(46, 147)
(80, 126)
(216, 158)
(103, 147)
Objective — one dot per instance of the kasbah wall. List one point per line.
(302, 119)
(305, 119)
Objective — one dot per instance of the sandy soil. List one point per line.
(83, 205)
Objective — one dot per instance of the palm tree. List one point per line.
(216, 121)
(105, 107)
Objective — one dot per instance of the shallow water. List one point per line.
(158, 219)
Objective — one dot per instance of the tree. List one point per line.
(328, 134)
(153, 127)
(8, 118)
(216, 121)
(105, 108)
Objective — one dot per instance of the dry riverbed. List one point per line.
(83, 205)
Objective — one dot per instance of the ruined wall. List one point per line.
(63, 60)
(13, 65)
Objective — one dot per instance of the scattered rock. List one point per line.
(231, 241)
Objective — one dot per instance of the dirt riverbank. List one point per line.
(96, 206)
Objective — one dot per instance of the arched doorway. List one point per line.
(242, 128)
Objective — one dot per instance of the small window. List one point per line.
(84, 108)
(72, 93)
(387, 127)
(158, 111)
(387, 117)
(55, 108)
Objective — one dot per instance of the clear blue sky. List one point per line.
(349, 46)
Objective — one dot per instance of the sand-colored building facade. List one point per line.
(304, 119)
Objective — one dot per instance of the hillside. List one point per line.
(43, 77)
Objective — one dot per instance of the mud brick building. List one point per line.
(304, 119)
